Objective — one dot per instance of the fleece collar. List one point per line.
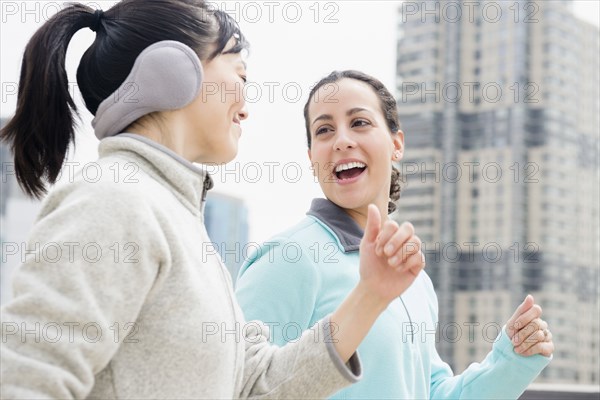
(348, 232)
(188, 183)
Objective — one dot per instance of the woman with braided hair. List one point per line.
(354, 136)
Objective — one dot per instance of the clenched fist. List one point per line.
(528, 331)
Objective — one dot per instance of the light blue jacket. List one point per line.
(304, 273)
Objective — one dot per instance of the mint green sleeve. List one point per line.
(278, 285)
(503, 374)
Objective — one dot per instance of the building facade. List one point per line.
(499, 103)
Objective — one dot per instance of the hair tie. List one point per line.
(97, 17)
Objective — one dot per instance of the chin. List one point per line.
(223, 157)
(352, 202)
(230, 155)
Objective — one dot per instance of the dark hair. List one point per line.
(388, 108)
(42, 128)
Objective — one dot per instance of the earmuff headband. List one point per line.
(165, 76)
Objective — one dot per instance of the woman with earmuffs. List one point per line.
(130, 304)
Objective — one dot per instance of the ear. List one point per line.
(398, 141)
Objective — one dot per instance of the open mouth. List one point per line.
(349, 171)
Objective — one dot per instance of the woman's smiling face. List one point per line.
(352, 147)
(217, 112)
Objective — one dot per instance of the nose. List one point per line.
(343, 141)
(243, 113)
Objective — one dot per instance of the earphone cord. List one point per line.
(412, 332)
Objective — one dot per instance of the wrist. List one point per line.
(370, 299)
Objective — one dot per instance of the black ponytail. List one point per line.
(43, 126)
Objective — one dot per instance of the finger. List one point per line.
(410, 247)
(527, 330)
(419, 267)
(404, 251)
(395, 237)
(536, 337)
(414, 264)
(544, 348)
(524, 319)
(389, 229)
(524, 306)
(373, 224)
(522, 334)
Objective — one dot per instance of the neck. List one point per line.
(359, 215)
(166, 132)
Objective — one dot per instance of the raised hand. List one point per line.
(528, 332)
(385, 273)
(390, 256)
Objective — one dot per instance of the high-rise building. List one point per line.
(499, 102)
(226, 219)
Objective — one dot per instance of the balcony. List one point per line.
(561, 392)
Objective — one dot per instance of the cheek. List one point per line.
(206, 116)
(240, 93)
(320, 160)
(230, 92)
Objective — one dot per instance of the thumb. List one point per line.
(373, 223)
(522, 308)
(527, 303)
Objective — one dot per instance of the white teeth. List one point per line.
(343, 167)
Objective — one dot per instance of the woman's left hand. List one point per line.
(528, 332)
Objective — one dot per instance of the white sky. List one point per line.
(358, 35)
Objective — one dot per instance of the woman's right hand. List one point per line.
(385, 273)
(390, 257)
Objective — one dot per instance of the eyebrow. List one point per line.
(328, 117)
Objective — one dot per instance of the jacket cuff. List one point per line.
(352, 370)
(504, 346)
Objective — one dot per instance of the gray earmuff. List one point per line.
(165, 76)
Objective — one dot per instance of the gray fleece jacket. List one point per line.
(120, 296)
